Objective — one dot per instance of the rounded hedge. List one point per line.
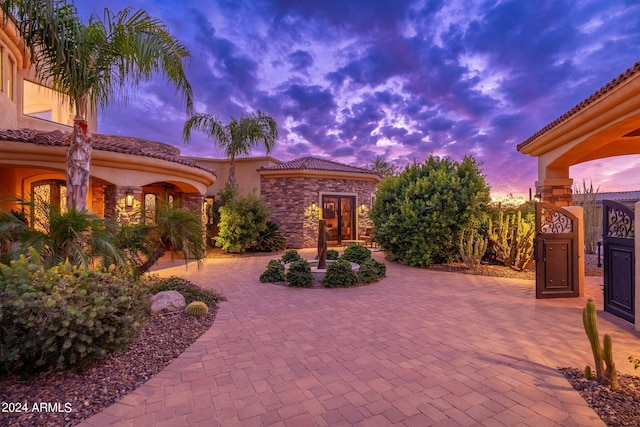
(299, 274)
(273, 273)
(356, 253)
(340, 275)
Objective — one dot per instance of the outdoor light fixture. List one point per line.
(314, 207)
(128, 200)
(363, 208)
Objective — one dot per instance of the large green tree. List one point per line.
(419, 215)
(237, 137)
(94, 63)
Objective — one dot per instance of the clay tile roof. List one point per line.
(112, 143)
(630, 72)
(314, 163)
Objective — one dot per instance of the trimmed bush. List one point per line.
(332, 254)
(340, 275)
(190, 291)
(299, 274)
(273, 273)
(371, 271)
(356, 253)
(419, 215)
(241, 222)
(64, 316)
(290, 256)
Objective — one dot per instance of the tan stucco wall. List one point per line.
(247, 176)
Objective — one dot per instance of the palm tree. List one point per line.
(238, 136)
(91, 64)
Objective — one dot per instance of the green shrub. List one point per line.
(290, 256)
(299, 274)
(340, 275)
(63, 316)
(332, 254)
(371, 271)
(273, 273)
(419, 215)
(190, 291)
(241, 222)
(270, 240)
(357, 254)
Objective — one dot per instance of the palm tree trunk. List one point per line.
(155, 256)
(78, 166)
(232, 172)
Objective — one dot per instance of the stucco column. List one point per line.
(637, 267)
(123, 204)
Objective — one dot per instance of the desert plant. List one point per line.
(587, 198)
(340, 275)
(196, 309)
(602, 354)
(588, 375)
(512, 239)
(269, 240)
(419, 214)
(371, 271)
(356, 253)
(299, 274)
(241, 222)
(472, 249)
(290, 256)
(273, 273)
(65, 315)
(190, 291)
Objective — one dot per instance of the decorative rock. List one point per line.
(167, 302)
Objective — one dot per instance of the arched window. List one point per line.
(149, 208)
(47, 195)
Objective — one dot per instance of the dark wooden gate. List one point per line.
(556, 252)
(619, 260)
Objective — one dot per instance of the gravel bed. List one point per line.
(72, 397)
(619, 408)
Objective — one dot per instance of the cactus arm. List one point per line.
(589, 321)
(610, 377)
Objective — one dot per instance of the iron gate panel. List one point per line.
(618, 233)
(555, 252)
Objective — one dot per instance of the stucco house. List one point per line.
(127, 174)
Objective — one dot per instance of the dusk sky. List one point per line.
(350, 80)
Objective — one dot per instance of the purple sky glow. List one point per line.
(402, 79)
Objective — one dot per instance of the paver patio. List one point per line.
(417, 348)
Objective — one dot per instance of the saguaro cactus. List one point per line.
(608, 376)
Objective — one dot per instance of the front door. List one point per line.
(555, 252)
(619, 260)
(339, 211)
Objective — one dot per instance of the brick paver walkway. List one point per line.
(418, 348)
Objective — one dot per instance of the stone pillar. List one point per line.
(193, 202)
(555, 190)
(116, 204)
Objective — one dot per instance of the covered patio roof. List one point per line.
(606, 124)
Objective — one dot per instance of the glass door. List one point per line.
(340, 214)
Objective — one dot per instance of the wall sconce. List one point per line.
(128, 199)
(363, 208)
(314, 207)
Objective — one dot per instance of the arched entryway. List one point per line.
(606, 124)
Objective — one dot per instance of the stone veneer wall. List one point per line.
(290, 201)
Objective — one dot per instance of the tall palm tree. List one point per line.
(93, 63)
(237, 137)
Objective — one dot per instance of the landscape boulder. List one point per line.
(166, 302)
